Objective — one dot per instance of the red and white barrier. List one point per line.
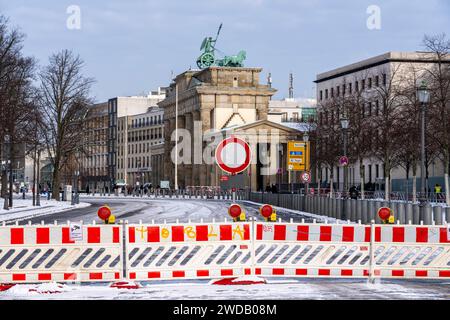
(47, 253)
(205, 250)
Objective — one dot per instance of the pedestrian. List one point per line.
(437, 189)
(353, 193)
(274, 188)
(268, 188)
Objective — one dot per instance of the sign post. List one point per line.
(233, 155)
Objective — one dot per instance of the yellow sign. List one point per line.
(298, 155)
(112, 219)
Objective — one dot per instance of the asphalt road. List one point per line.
(141, 209)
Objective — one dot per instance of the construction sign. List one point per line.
(298, 155)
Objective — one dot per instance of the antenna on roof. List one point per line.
(291, 86)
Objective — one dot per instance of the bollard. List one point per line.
(364, 211)
(427, 214)
(447, 214)
(415, 214)
(358, 211)
(401, 212)
(338, 208)
(408, 212)
(371, 212)
(438, 214)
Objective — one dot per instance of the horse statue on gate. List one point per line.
(233, 61)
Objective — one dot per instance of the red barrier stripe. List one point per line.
(93, 234)
(70, 276)
(443, 235)
(132, 275)
(153, 234)
(19, 277)
(366, 273)
(66, 235)
(259, 231)
(367, 234)
(377, 234)
(42, 235)
(117, 275)
(246, 232)
(154, 274)
(116, 235)
(277, 271)
(348, 233)
(398, 234)
(202, 273)
(421, 273)
(16, 235)
(279, 232)
(301, 272)
(346, 272)
(444, 274)
(226, 272)
(257, 270)
(131, 234)
(324, 272)
(398, 273)
(44, 276)
(421, 234)
(177, 233)
(95, 275)
(325, 233)
(225, 232)
(302, 233)
(247, 271)
(178, 274)
(201, 233)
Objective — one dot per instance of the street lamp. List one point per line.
(4, 168)
(424, 97)
(344, 125)
(306, 139)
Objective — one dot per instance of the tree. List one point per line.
(439, 108)
(64, 101)
(16, 96)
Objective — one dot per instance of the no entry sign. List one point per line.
(233, 155)
(306, 177)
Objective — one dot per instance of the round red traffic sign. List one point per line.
(104, 212)
(343, 161)
(306, 177)
(384, 213)
(233, 155)
(266, 210)
(234, 210)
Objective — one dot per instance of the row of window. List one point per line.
(349, 86)
(148, 121)
(369, 109)
(135, 162)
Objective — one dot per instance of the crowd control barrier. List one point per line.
(170, 251)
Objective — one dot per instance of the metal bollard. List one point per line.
(401, 212)
(438, 214)
(427, 214)
(447, 214)
(364, 211)
(416, 214)
(358, 211)
(338, 208)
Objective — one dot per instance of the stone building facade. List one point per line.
(214, 100)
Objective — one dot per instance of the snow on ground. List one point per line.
(317, 289)
(23, 209)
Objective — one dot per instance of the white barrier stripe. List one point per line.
(291, 233)
(314, 232)
(359, 233)
(336, 233)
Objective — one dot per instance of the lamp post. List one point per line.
(4, 168)
(306, 139)
(344, 126)
(424, 97)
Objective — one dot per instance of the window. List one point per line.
(370, 173)
(363, 84)
(350, 88)
(326, 93)
(356, 86)
(377, 170)
(370, 83)
(384, 79)
(332, 92)
(343, 89)
(320, 95)
(338, 91)
(377, 81)
(377, 108)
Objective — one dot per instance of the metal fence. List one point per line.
(356, 210)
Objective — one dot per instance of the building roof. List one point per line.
(392, 56)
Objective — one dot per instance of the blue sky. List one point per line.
(131, 47)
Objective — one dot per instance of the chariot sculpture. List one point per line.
(208, 57)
